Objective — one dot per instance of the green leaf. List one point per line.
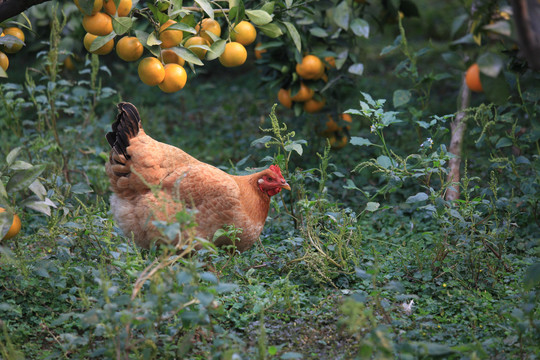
(532, 276)
(3, 73)
(3, 192)
(401, 97)
(81, 188)
(342, 14)
(262, 140)
(295, 36)
(496, 89)
(101, 40)
(421, 196)
(216, 50)
(454, 60)
(12, 155)
(20, 165)
(272, 350)
(490, 64)
(182, 26)
(269, 7)
(271, 30)
(372, 206)
(37, 188)
(259, 17)
(318, 32)
(356, 69)
(205, 5)
(360, 27)
(187, 55)
(22, 179)
(39, 206)
(291, 355)
(500, 27)
(153, 40)
(384, 161)
(360, 141)
(503, 142)
(6, 219)
(294, 147)
(122, 25)
(86, 6)
(158, 15)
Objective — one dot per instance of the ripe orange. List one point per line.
(18, 33)
(175, 78)
(104, 50)
(235, 54)
(194, 41)
(169, 38)
(208, 25)
(244, 33)
(129, 48)
(314, 106)
(330, 61)
(330, 127)
(284, 97)
(4, 61)
(258, 53)
(170, 57)
(472, 78)
(346, 118)
(99, 24)
(123, 8)
(303, 94)
(311, 68)
(15, 226)
(151, 71)
(68, 63)
(338, 142)
(98, 4)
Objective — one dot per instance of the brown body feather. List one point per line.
(138, 163)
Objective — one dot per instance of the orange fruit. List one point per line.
(208, 25)
(314, 106)
(472, 78)
(104, 50)
(175, 78)
(235, 54)
(15, 226)
(98, 4)
(170, 57)
(284, 97)
(338, 142)
(123, 8)
(194, 41)
(331, 127)
(151, 71)
(4, 61)
(169, 38)
(303, 94)
(99, 24)
(18, 33)
(311, 68)
(129, 48)
(330, 61)
(258, 53)
(244, 33)
(68, 63)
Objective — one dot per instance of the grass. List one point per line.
(332, 282)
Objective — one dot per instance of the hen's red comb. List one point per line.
(276, 169)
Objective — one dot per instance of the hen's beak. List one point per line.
(286, 186)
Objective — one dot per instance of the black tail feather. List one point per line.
(126, 126)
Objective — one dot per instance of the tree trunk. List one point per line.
(10, 8)
(527, 16)
(457, 127)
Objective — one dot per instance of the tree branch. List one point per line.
(10, 8)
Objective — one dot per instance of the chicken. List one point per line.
(151, 181)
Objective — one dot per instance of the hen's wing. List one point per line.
(136, 160)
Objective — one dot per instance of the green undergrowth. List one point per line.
(364, 258)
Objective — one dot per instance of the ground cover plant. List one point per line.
(386, 247)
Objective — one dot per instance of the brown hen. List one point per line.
(154, 181)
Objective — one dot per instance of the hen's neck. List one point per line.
(255, 202)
